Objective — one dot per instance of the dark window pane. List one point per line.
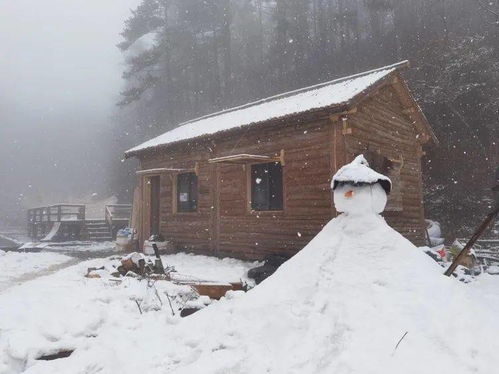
(266, 186)
(275, 184)
(187, 192)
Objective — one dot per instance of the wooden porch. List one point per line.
(66, 222)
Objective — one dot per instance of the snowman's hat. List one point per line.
(358, 173)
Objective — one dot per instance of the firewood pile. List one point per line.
(135, 265)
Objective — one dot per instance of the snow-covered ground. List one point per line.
(210, 268)
(15, 267)
(74, 247)
(341, 305)
(65, 310)
(15, 233)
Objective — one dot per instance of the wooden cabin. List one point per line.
(255, 180)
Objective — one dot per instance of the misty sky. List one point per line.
(60, 75)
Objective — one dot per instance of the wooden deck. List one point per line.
(70, 222)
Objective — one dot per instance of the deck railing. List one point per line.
(40, 219)
(117, 213)
(57, 213)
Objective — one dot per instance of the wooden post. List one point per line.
(486, 222)
(30, 224)
(59, 213)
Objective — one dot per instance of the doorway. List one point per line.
(154, 202)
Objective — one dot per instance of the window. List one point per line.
(187, 192)
(266, 186)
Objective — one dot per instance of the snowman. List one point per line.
(359, 190)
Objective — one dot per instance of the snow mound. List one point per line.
(341, 305)
(359, 298)
(434, 232)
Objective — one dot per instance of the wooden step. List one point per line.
(98, 230)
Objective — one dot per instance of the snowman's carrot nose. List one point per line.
(349, 194)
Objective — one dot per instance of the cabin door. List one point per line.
(154, 204)
(151, 208)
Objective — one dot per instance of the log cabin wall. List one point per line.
(380, 125)
(229, 227)
(314, 145)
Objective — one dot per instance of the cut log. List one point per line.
(216, 291)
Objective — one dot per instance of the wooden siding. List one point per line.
(314, 147)
(380, 125)
(224, 224)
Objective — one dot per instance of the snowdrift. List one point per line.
(341, 305)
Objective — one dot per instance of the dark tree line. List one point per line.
(186, 58)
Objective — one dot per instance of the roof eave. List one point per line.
(331, 109)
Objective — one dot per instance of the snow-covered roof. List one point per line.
(358, 171)
(329, 94)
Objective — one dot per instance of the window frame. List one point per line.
(176, 196)
(249, 189)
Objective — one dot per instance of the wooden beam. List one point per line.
(239, 159)
(336, 116)
(164, 170)
(245, 158)
(281, 157)
(345, 130)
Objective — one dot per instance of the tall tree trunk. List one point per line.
(227, 51)
(281, 42)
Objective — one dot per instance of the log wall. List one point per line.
(380, 125)
(224, 224)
